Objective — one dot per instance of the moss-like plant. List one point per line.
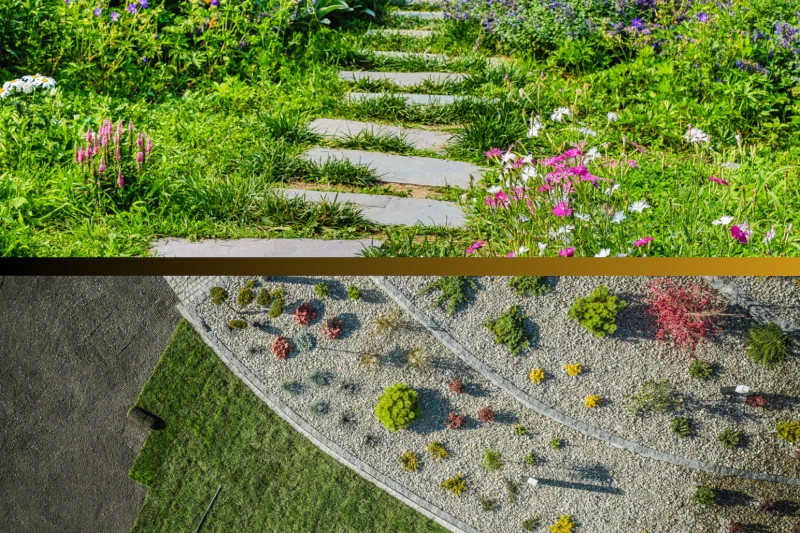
(456, 485)
(492, 460)
(409, 461)
(654, 397)
(536, 375)
(398, 406)
(453, 290)
(529, 285)
(564, 524)
(509, 329)
(702, 370)
(556, 443)
(353, 292)
(769, 345)
(530, 459)
(246, 294)
(237, 323)
(592, 401)
(321, 289)
(729, 438)
(597, 312)
(681, 427)
(263, 298)
(276, 308)
(437, 451)
(218, 295)
(520, 430)
(704, 495)
(789, 431)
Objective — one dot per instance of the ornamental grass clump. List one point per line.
(529, 459)
(371, 360)
(333, 328)
(789, 431)
(398, 406)
(453, 291)
(530, 524)
(304, 314)
(492, 460)
(417, 359)
(556, 443)
(437, 451)
(305, 341)
(281, 347)
(529, 285)
(597, 312)
(769, 345)
(654, 397)
(509, 329)
(409, 461)
(387, 322)
(455, 485)
(520, 430)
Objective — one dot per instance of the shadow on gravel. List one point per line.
(435, 407)
(634, 322)
(730, 409)
(580, 486)
(732, 498)
(351, 323)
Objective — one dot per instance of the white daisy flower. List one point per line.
(612, 117)
(508, 157)
(724, 220)
(603, 252)
(618, 217)
(588, 132)
(559, 114)
(638, 206)
(522, 250)
(696, 135)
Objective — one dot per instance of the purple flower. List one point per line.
(741, 232)
(702, 17)
(120, 181)
(102, 167)
(567, 252)
(144, 60)
(143, 3)
(115, 16)
(215, 3)
(97, 11)
(132, 9)
(140, 157)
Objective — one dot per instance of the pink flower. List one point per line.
(741, 232)
(718, 180)
(117, 153)
(475, 246)
(510, 254)
(149, 146)
(497, 199)
(642, 242)
(102, 167)
(562, 210)
(632, 163)
(567, 252)
(89, 136)
(140, 140)
(638, 148)
(140, 157)
(120, 181)
(494, 152)
(131, 126)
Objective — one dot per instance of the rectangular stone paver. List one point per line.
(402, 79)
(411, 99)
(342, 129)
(411, 170)
(430, 15)
(424, 56)
(405, 33)
(261, 247)
(384, 209)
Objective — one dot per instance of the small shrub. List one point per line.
(767, 506)
(353, 292)
(281, 347)
(574, 369)
(237, 323)
(702, 370)
(729, 438)
(409, 461)
(492, 460)
(486, 415)
(347, 419)
(333, 327)
(455, 485)
(789, 431)
(512, 490)
(218, 295)
(348, 387)
(456, 386)
(487, 504)
(769, 345)
(246, 295)
(321, 289)
(437, 451)
(529, 285)
(319, 408)
(735, 527)
(654, 397)
(320, 378)
(556, 443)
(592, 401)
(597, 312)
(292, 387)
(398, 407)
(520, 430)
(756, 400)
(530, 459)
(305, 341)
(454, 420)
(536, 375)
(263, 297)
(564, 524)
(387, 322)
(276, 308)
(304, 314)
(371, 360)
(508, 329)
(530, 524)
(453, 291)
(681, 427)
(417, 359)
(704, 495)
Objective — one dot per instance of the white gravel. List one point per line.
(781, 295)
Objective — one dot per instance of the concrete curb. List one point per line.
(479, 366)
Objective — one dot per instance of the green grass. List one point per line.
(219, 433)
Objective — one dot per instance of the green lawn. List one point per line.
(219, 433)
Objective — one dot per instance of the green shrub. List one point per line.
(530, 459)
(292, 387)
(305, 341)
(654, 397)
(218, 295)
(520, 430)
(246, 295)
(769, 345)
(437, 451)
(704, 495)
(509, 330)
(492, 460)
(319, 408)
(276, 308)
(398, 406)
(702, 370)
(237, 323)
(453, 291)
(321, 289)
(529, 285)
(681, 427)
(320, 378)
(597, 312)
(263, 298)
(456, 484)
(353, 292)
(789, 431)
(556, 443)
(409, 461)
(729, 438)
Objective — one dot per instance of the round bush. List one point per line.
(769, 345)
(397, 407)
(597, 312)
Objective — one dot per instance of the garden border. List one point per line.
(509, 388)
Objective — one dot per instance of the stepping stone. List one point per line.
(411, 99)
(411, 170)
(261, 248)
(421, 34)
(429, 15)
(342, 129)
(411, 55)
(391, 210)
(402, 79)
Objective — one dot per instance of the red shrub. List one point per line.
(333, 328)
(685, 313)
(281, 347)
(456, 386)
(735, 527)
(486, 414)
(797, 455)
(755, 400)
(454, 420)
(304, 314)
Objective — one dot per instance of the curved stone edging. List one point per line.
(326, 445)
(479, 366)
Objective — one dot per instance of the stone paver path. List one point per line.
(425, 15)
(424, 56)
(411, 99)
(343, 129)
(402, 79)
(261, 248)
(420, 34)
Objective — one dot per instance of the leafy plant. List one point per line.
(487, 504)
(492, 460)
(509, 329)
(530, 524)
(456, 386)
(398, 407)
(453, 290)
(320, 378)
(729, 438)
(237, 323)
(321, 289)
(437, 451)
(333, 328)
(789, 431)
(486, 415)
(556, 443)
(564, 524)
(704, 495)
(530, 459)
(263, 297)
(681, 427)
(353, 292)
(769, 345)
(756, 400)
(246, 294)
(597, 312)
(592, 401)
(409, 461)
(529, 285)
(699, 369)
(520, 430)
(455, 485)
(281, 347)
(218, 295)
(454, 420)
(654, 397)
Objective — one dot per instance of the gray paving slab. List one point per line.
(411, 99)
(261, 247)
(384, 209)
(342, 129)
(424, 56)
(421, 34)
(402, 79)
(411, 170)
(426, 15)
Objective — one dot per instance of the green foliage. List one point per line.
(704, 495)
(276, 308)
(292, 387)
(237, 323)
(529, 285)
(681, 427)
(353, 292)
(789, 431)
(729, 438)
(321, 289)
(409, 461)
(305, 341)
(218, 295)
(509, 329)
(492, 460)
(453, 290)
(398, 406)
(263, 298)
(530, 524)
(512, 490)
(769, 345)
(437, 451)
(246, 295)
(520, 430)
(654, 397)
(556, 443)
(702, 370)
(320, 378)
(319, 408)
(597, 312)
(530, 459)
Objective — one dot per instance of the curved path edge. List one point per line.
(479, 366)
(329, 447)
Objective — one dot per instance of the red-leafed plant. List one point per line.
(755, 400)
(281, 347)
(486, 414)
(685, 313)
(304, 314)
(735, 527)
(797, 455)
(456, 386)
(333, 328)
(454, 420)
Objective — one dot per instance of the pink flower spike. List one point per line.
(562, 210)
(567, 252)
(140, 157)
(117, 154)
(89, 135)
(148, 147)
(140, 140)
(130, 126)
(120, 181)
(119, 131)
(741, 232)
(475, 246)
(632, 163)
(718, 180)
(102, 167)
(642, 242)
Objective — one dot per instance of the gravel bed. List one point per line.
(604, 488)
(780, 294)
(617, 365)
